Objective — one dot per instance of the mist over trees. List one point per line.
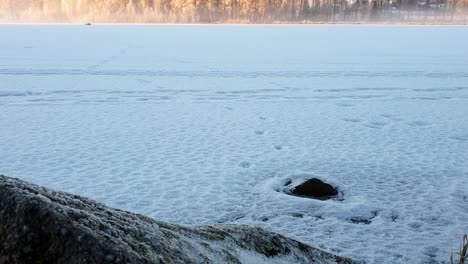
(232, 11)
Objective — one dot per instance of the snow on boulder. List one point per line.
(40, 225)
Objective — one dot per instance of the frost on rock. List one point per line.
(40, 225)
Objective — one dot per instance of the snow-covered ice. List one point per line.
(205, 124)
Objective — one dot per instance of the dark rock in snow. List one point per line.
(40, 225)
(356, 220)
(315, 188)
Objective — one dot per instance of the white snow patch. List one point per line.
(206, 124)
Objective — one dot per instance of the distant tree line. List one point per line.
(231, 11)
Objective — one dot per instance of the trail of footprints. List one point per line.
(258, 132)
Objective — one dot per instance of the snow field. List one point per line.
(206, 125)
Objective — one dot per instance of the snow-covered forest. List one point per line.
(232, 11)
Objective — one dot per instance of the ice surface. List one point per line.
(205, 124)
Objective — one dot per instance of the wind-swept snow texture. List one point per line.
(206, 124)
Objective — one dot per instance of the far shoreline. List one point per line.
(383, 24)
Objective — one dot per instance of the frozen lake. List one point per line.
(204, 124)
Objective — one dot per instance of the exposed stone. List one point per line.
(315, 188)
(356, 220)
(40, 225)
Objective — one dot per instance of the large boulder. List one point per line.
(40, 225)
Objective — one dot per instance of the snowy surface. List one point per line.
(205, 124)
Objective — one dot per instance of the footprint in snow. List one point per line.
(345, 104)
(375, 124)
(391, 117)
(245, 164)
(460, 137)
(418, 123)
(364, 220)
(352, 120)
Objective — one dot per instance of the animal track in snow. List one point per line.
(245, 164)
(352, 120)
